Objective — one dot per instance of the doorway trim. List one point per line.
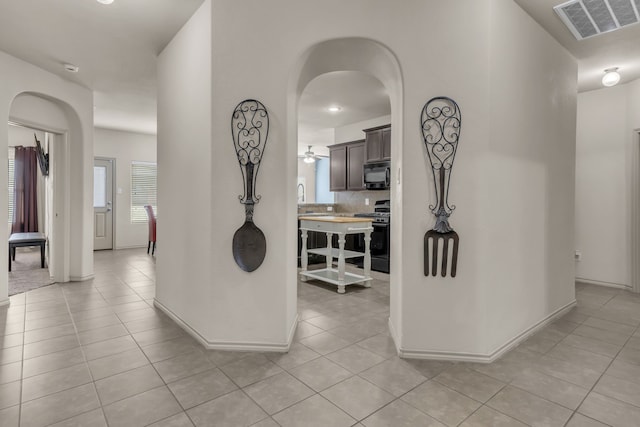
(58, 259)
(113, 198)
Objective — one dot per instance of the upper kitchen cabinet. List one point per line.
(346, 161)
(355, 161)
(338, 168)
(377, 143)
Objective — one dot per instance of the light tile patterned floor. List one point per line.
(97, 353)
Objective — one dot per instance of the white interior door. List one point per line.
(102, 204)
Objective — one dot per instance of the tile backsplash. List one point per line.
(316, 208)
(347, 202)
(354, 201)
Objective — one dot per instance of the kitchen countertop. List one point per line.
(327, 218)
(325, 214)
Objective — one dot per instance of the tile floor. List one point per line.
(98, 353)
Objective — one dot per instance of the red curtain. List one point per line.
(25, 196)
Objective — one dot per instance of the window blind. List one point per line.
(11, 182)
(143, 189)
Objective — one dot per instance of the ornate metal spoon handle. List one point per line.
(250, 129)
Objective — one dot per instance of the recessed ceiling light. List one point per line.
(71, 68)
(334, 109)
(105, 1)
(611, 77)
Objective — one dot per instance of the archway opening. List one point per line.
(353, 56)
(61, 127)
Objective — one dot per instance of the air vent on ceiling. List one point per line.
(587, 18)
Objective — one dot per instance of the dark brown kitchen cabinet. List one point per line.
(345, 166)
(338, 168)
(377, 143)
(386, 144)
(314, 240)
(355, 161)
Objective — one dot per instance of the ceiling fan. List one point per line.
(309, 156)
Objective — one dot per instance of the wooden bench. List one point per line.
(18, 240)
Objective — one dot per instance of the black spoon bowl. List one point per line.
(249, 246)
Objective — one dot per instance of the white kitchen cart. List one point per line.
(341, 226)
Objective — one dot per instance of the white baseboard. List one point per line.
(231, 346)
(292, 331)
(394, 335)
(81, 278)
(494, 355)
(131, 247)
(607, 284)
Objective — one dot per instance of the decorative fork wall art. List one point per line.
(440, 122)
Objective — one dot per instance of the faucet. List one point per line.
(298, 191)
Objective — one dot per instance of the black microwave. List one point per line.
(377, 176)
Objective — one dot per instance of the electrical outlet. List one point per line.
(578, 256)
(366, 201)
(329, 208)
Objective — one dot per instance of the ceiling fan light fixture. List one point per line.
(309, 156)
(611, 77)
(334, 109)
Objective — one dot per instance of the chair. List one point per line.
(152, 228)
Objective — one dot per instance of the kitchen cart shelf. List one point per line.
(340, 226)
(335, 252)
(333, 276)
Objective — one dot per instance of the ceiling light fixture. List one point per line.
(309, 156)
(334, 109)
(611, 77)
(71, 68)
(105, 1)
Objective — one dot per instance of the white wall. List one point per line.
(125, 147)
(607, 139)
(527, 177)
(353, 132)
(186, 283)
(431, 317)
(602, 205)
(76, 105)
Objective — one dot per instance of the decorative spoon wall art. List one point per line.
(441, 122)
(250, 129)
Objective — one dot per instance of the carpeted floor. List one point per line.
(26, 273)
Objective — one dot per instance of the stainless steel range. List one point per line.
(381, 235)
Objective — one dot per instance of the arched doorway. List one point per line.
(58, 119)
(370, 57)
